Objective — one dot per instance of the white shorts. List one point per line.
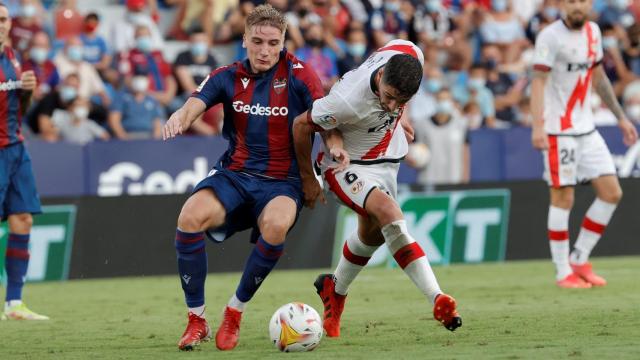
(576, 159)
(353, 185)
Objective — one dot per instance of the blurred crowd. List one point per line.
(97, 83)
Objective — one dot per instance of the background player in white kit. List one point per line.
(358, 121)
(567, 58)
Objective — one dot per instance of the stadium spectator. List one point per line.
(144, 58)
(473, 115)
(191, 68)
(299, 19)
(501, 27)
(25, 25)
(616, 14)
(387, 24)
(233, 28)
(432, 23)
(445, 134)
(134, 113)
(74, 125)
(207, 15)
(631, 49)
(67, 20)
(71, 60)
(631, 99)
(549, 13)
(38, 61)
(356, 51)
(95, 50)
(507, 90)
(423, 104)
(39, 119)
(476, 90)
(123, 31)
(613, 60)
(319, 56)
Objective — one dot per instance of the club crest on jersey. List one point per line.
(279, 85)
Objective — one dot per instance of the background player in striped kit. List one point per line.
(256, 183)
(567, 60)
(18, 196)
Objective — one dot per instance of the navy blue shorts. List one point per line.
(244, 197)
(17, 186)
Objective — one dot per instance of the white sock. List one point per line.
(235, 303)
(558, 226)
(12, 303)
(411, 258)
(355, 255)
(197, 310)
(593, 225)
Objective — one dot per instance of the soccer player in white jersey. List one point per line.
(567, 61)
(363, 146)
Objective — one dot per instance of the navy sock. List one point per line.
(192, 266)
(262, 259)
(16, 263)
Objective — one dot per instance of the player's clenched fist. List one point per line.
(539, 138)
(175, 125)
(28, 80)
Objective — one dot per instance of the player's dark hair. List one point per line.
(266, 15)
(403, 72)
(92, 16)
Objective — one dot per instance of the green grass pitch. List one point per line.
(510, 311)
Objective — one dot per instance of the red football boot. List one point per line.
(333, 304)
(573, 281)
(585, 271)
(197, 331)
(444, 310)
(229, 330)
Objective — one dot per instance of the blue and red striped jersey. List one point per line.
(10, 90)
(259, 110)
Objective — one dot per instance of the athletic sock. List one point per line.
(411, 258)
(593, 225)
(192, 266)
(236, 304)
(558, 225)
(198, 310)
(355, 255)
(16, 264)
(261, 261)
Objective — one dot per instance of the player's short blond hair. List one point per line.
(266, 15)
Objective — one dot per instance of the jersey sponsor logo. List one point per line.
(578, 66)
(202, 84)
(10, 85)
(279, 85)
(245, 82)
(257, 109)
(384, 126)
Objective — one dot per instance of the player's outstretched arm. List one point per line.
(604, 89)
(302, 135)
(539, 138)
(182, 119)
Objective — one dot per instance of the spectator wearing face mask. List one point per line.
(613, 60)
(74, 125)
(355, 53)
(388, 23)
(423, 103)
(45, 70)
(39, 118)
(319, 57)
(95, 50)
(476, 90)
(548, 13)
(27, 22)
(135, 114)
(123, 31)
(616, 14)
(631, 49)
(71, 60)
(432, 23)
(631, 101)
(192, 66)
(145, 58)
(445, 134)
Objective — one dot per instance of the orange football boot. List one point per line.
(229, 330)
(197, 331)
(333, 304)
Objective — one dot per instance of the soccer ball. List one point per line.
(295, 327)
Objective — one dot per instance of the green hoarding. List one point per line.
(50, 243)
(453, 227)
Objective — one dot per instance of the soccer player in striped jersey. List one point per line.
(359, 124)
(567, 62)
(18, 196)
(256, 183)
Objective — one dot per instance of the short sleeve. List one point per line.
(212, 89)
(331, 111)
(117, 103)
(545, 51)
(308, 83)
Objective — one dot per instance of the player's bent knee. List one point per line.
(383, 208)
(275, 231)
(20, 223)
(613, 197)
